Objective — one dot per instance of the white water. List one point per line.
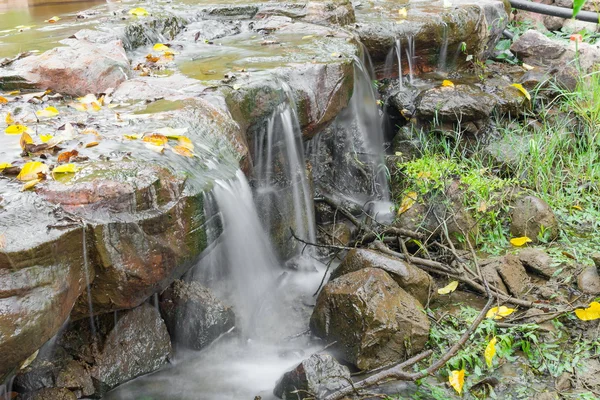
(410, 56)
(443, 58)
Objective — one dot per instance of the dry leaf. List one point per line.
(451, 287)
(32, 170)
(407, 202)
(16, 129)
(490, 352)
(138, 12)
(5, 165)
(183, 151)
(171, 133)
(90, 131)
(65, 169)
(184, 141)
(156, 139)
(30, 184)
(3, 100)
(520, 241)
(9, 119)
(78, 106)
(47, 112)
(522, 90)
(45, 138)
(91, 144)
(447, 83)
(66, 156)
(499, 312)
(25, 140)
(457, 380)
(132, 136)
(482, 207)
(53, 20)
(29, 360)
(153, 147)
(160, 47)
(589, 314)
(152, 59)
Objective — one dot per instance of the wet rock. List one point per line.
(49, 394)
(209, 30)
(546, 396)
(513, 274)
(152, 29)
(373, 321)
(79, 68)
(314, 377)
(96, 36)
(194, 317)
(507, 153)
(337, 234)
(490, 273)
(460, 103)
(75, 378)
(532, 216)
(329, 12)
(590, 377)
(588, 281)
(414, 280)
(553, 23)
(537, 261)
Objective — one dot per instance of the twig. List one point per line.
(327, 246)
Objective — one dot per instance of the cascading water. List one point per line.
(443, 57)
(410, 56)
(396, 51)
(280, 171)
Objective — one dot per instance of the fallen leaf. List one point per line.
(47, 112)
(78, 106)
(482, 207)
(577, 207)
(527, 67)
(53, 20)
(171, 133)
(31, 171)
(183, 151)
(94, 106)
(25, 140)
(184, 141)
(138, 12)
(66, 156)
(90, 131)
(9, 119)
(520, 241)
(490, 352)
(161, 47)
(132, 136)
(14, 93)
(65, 169)
(16, 129)
(403, 13)
(45, 138)
(91, 144)
(153, 147)
(3, 100)
(5, 165)
(447, 83)
(457, 380)
(449, 288)
(499, 312)
(589, 314)
(156, 139)
(522, 90)
(307, 37)
(407, 202)
(88, 98)
(152, 59)
(29, 360)
(30, 184)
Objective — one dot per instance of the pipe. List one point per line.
(588, 16)
(508, 34)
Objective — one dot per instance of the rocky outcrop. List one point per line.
(313, 378)
(537, 262)
(412, 279)
(533, 217)
(507, 273)
(78, 69)
(194, 317)
(371, 319)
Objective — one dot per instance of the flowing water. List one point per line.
(443, 57)
(410, 56)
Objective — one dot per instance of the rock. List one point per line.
(460, 103)
(590, 376)
(152, 29)
(414, 280)
(337, 234)
(513, 274)
(507, 153)
(49, 394)
(313, 378)
(209, 30)
(79, 68)
(532, 217)
(373, 321)
(194, 317)
(588, 281)
(546, 396)
(76, 378)
(96, 36)
(329, 12)
(537, 261)
(490, 273)
(553, 23)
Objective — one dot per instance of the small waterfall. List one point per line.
(443, 58)
(389, 61)
(280, 170)
(410, 56)
(86, 268)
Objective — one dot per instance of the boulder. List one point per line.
(513, 278)
(460, 103)
(371, 319)
(329, 12)
(410, 278)
(49, 394)
(588, 281)
(537, 261)
(313, 378)
(490, 273)
(532, 217)
(80, 68)
(507, 153)
(194, 317)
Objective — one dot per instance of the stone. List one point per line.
(507, 153)
(49, 394)
(373, 321)
(588, 281)
(532, 217)
(490, 273)
(75, 378)
(537, 261)
(194, 317)
(512, 273)
(461, 103)
(410, 278)
(552, 23)
(590, 376)
(313, 378)
(337, 234)
(209, 30)
(152, 29)
(329, 12)
(80, 68)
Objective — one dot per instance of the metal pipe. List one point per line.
(588, 16)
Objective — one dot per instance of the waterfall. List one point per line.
(442, 61)
(410, 56)
(280, 170)
(389, 61)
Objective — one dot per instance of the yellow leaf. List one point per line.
(482, 207)
(5, 165)
(577, 207)
(522, 90)
(451, 287)
(14, 93)
(138, 12)
(47, 112)
(53, 20)
(29, 184)
(403, 13)
(307, 37)
(9, 119)
(156, 139)
(160, 47)
(65, 169)
(87, 99)
(490, 352)
(78, 106)
(153, 147)
(527, 67)
(520, 241)
(31, 170)
(132, 136)
(94, 106)
(185, 142)
(499, 312)
(183, 151)
(25, 140)
(90, 131)
(407, 202)
(45, 138)
(447, 83)
(457, 380)
(16, 129)
(91, 144)
(589, 314)
(3, 100)
(171, 133)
